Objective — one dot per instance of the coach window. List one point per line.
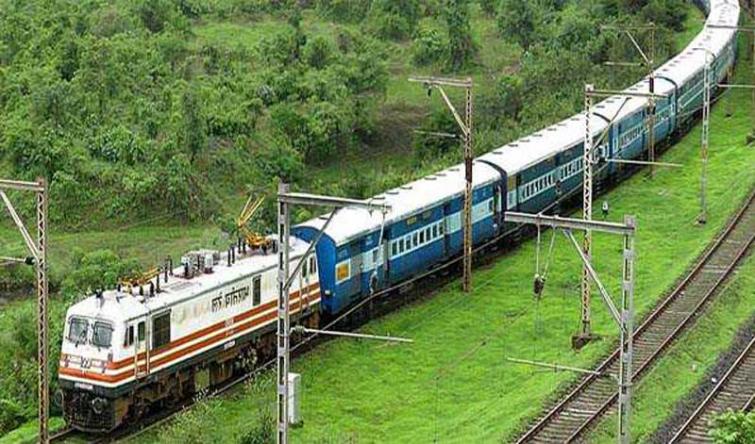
(435, 231)
(256, 290)
(102, 334)
(141, 332)
(312, 265)
(422, 237)
(161, 330)
(415, 239)
(401, 246)
(304, 269)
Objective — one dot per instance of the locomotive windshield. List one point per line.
(102, 334)
(77, 332)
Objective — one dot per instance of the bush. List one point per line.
(733, 428)
(96, 270)
(318, 52)
(428, 47)
(517, 21)
(394, 19)
(10, 415)
(343, 10)
(263, 433)
(280, 161)
(430, 145)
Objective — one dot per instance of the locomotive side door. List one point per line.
(141, 349)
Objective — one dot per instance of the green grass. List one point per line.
(694, 354)
(27, 433)
(454, 383)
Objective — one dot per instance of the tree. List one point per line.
(733, 428)
(489, 7)
(394, 19)
(509, 91)
(460, 45)
(428, 47)
(193, 135)
(281, 161)
(517, 21)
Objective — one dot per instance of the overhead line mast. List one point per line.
(465, 124)
(38, 251)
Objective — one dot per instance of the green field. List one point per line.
(454, 383)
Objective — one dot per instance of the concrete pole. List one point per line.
(705, 140)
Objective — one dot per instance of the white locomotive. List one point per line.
(129, 349)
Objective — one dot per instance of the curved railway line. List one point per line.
(594, 396)
(716, 264)
(735, 391)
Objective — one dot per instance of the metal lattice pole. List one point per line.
(42, 315)
(283, 315)
(651, 103)
(468, 158)
(627, 335)
(38, 252)
(587, 161)
(465, 124)
(286, 201)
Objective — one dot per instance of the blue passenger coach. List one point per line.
(361, 253)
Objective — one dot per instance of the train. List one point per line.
(135, 348)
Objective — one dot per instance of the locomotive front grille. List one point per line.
(79, 412)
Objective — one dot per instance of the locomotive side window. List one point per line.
(161, 330)
(78, 330)
(256, 290)
(141, 331)
(102, 334)
(129, 336)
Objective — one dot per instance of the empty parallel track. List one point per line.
(735, 391)
(595, 396)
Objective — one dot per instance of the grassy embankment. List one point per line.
(694, 354)
(454, 383)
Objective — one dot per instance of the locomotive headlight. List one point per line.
(98, 405)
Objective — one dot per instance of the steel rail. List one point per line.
(706, 403)
(646, 324)
(676, 332)
(62, 434)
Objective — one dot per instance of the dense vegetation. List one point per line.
(128, 112)
(164, 108)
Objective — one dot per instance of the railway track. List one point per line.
(595, 396)
(735, 391)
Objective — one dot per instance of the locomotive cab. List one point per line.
(93, 337)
